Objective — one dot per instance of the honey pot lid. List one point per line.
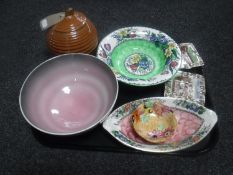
(72, 21)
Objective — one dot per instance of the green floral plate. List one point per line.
(140, 56)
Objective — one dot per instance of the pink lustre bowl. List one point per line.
(68, 94)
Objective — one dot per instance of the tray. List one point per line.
(98, 139)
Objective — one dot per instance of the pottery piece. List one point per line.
(154, 123)
(194, 122)
(190, 56)
(73, 33)
(187, 86)
(68, 94)
(140, 56)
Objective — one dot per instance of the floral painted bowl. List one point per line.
(194, 123)
(140, 56)
(155, 122)
(68, 94)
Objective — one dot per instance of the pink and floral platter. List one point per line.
(194, 123)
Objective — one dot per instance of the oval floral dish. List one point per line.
(140, 56)
(194, 122)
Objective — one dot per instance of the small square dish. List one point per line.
(187, 86)
(190, 56)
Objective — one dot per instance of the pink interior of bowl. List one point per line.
(68, 94)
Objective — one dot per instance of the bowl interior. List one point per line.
(68, 94)
(140, 56)
(138, 59)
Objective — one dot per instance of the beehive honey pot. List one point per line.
(70, 32)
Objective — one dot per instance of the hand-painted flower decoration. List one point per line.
(163, 39)
(107, 47)
(161, 134)
(173, 64)
(144, 63)
(135, 58)
(153, 38)
(171, 46)
(103, 54)
(168, 52)
(127, 107)
(123, 33)
(195, 138)
(132, 34)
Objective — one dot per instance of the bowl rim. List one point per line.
(75, 132)
(137, 83)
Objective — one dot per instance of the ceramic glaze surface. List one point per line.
(138, 59)
(186, 85)
(68, 94)
(155, 123)
(139, 64)
(140, 56)
(188, 124)
(74, 34)
(193, 123)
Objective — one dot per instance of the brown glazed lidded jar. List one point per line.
(74, 34)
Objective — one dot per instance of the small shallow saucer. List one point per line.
(140, 56)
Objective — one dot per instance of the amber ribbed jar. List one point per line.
(74, 34)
